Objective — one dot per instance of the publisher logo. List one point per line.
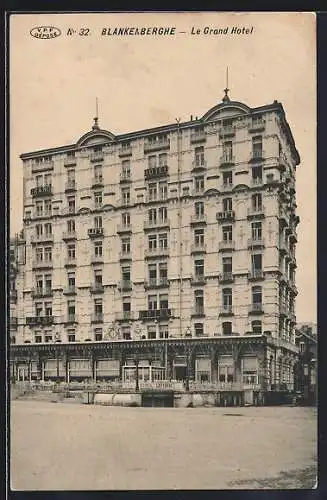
(45, 32)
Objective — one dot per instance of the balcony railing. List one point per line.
(97, 259)
(124, 228)
(70, 161)
(198, 312)
(198, 136)
(155, 314)
(70, 262)
(156, 252)
(39, 320)
(70, 290)
(125, 285)
(125, 177)
(257, 155)
(258, 211)
(96, 156)
(156, 283)
(226, 277)
(256, 274)
(198, 248)
(42, 190)
(45, 165)
(198, 165)
(97, 181)
(156, 197)
(156, 172)
(226, 161)
(256, 242)
(225, 245)
(95, 232)
(70, 318)
(97, 288)
(227, 186)
(158, 223)
(256, 308)
(226, 216)
(226, 310)
(42, 292)
(42, 264)
(257, 181)
(257, 125)
(70, 186)
(125, 316)
(125, 150)
(97, 318)
(198, 219)
(156, 145)
(69, 235)
(39, 238)
(198, 279)
(227, 130)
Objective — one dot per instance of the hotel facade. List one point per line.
(166, 253)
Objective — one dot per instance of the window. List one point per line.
(226, 369)
(39, 180)
(98, 199)
(152, 191)
(227, 204)
(152, 272)
(257, 146)
(98, 277)
(257, 202)
(163, 331)
(98, 173)
(227, 265)
(71, 251)
(98, 308)
(48, 337)
(227, 178)
(199, 237)
(48, 228)
(71, 176)
(47, 179)
(126, 245)
(162, 159)
(39, 208)
(152, 240)
(152, 215)
(48, 254)
(71, 226)
(152, 302)
(163, 272)
(71, 309)
(152, 161)
(39, 282)
(38, 309)
(126, 306)
(126, 331)
(48, 309)
(199, 156)
(71, 204)
(228, 150)
(126, 273)
(227, 328)
(199, 268)
(163, 241)
(199, 184)
(126, 169)
(47, 207)
(227, 298)
(126, 196)
(163, 301)
(39, 254)
(98, 249)
(152, 332)
(250, 370)
(98, 334)
(162, 213)
(71, 335)
(199, 302)
(39, 230)
(199, 209)
(98, 222)
(48, 281)
(71, 280)
(38, 338)
(126, 219)
(256, 229)
(198, 329)
(257, 327)
(257, 174)
(163, 190)
(256, 262)
(302, 347)
(257, 295)
(227, 233)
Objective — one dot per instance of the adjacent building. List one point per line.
(171, 249)
(306, 368)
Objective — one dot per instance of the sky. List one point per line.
(142, 82)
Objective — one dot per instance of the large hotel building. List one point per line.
(171, 248)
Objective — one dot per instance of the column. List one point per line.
(29, 370)
(237, 363)
(214, 365)
(150, 370)
(137, 388)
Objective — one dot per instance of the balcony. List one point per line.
(13, 295)
(226, 216)
(257, 181)
(125, 285)
(256, 308)
(198, 165)
(256, 243)
(156, 197)
(156, 224)
(156, 172)
(42, 292)
(226, 161)
(45, 190)
(70, 290)
(97, 318)
(95, 232)
(70, 262)
(42, 264)
(125, 256)
(156, 283)
(152, 253)
(97, 259)
(125, 150)
(256, 212)
(227, 131)
(125, 202)
(69, 235)
(198, 280)
(124, 228)
(198, 136)
(13, 322)
(40, 320)
(257, 155)
(40, 167)
(227, 186)
(70, 186)
(97, 288)
(226, 277)
(198, 191)
(226, 245)
(125, 316)
(125, 178)
(70, 319)
(256, 275)
(42, 238)
(198, 312)
(96, 156)
(257, 126)
(97, 182)
(158, 314)
(198, 248)
(156, 145)
(69, 161)
(226, 310)
(198, 219)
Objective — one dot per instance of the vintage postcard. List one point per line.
(162, 251)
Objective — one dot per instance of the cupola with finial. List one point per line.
(96, 119)
(226, 90)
